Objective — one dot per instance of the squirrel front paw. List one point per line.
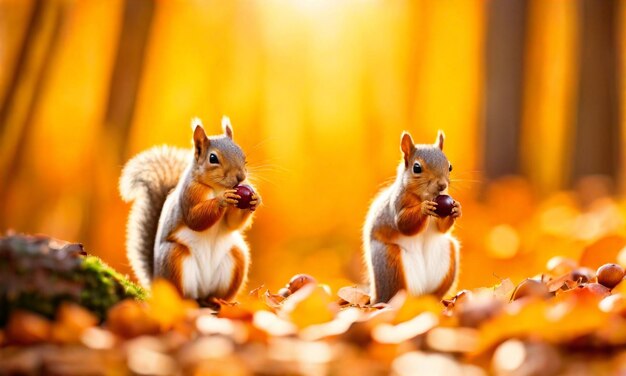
(456, 210)
(428, 208)
(255, 202)
(229, 197)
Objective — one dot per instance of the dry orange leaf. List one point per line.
(504, 290)
(353, 295)
(166, 305)
(130, 318)
(273, 301)
(235, 312)
(310, 305)
(406, 330)
(26, 328)
(268, 322)
(412, 306)
(71, 321)
(602, 251)
(571, 315)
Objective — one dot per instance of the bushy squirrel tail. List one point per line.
(146, 181)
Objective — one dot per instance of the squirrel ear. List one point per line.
(200, 140)
(440, 138)
(228, 129)
(407, 146)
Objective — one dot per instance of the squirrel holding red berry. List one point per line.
(188, 213)
(406, 236)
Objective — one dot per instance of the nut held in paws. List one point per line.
(445, 204)
(245, 192)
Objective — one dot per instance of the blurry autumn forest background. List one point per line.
(529, 93)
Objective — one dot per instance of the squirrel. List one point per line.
(407, 246)
(184, 224)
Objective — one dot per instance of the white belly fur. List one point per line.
(426, 259)
(209, 268)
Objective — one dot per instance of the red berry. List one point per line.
(245, 192)
(610, 275)
(445, 204)
(299, 280)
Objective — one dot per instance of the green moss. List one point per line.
(38, 274)
(104, 286)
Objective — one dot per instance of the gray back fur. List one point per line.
(146, 181)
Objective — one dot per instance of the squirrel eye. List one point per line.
(213, 159)
(417, 168)
(450, 168)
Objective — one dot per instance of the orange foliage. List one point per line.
(317, 94)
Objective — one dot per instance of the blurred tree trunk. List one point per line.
(596, 145)
(621, 69)
(124, 88)
(549, 98)
(504, 69)
(24, 90)
(126, 78)
(22, 26)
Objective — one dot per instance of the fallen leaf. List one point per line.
(166, 305)
(452, 339)
(353, 295)
(273, 300)
(235, 312)
(256, 293)
(413, 306)
(130, 318)
(273, 325)
(602, 251)
(339, 325)
(26, 328)
(504, 290)
(406, 330)
(310, 305)
(573, 314)
(71, 321)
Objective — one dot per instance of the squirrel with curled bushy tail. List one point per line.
(407, 245)
(184, 224)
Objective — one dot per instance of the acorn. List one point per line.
(531, 287)
(583, 275)
(610, 275)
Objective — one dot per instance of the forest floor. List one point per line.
(569, 320)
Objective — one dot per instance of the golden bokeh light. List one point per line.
(318, 93)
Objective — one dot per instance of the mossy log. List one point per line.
(38, 273)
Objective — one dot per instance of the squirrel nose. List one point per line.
(442, 186)
(240, 177)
